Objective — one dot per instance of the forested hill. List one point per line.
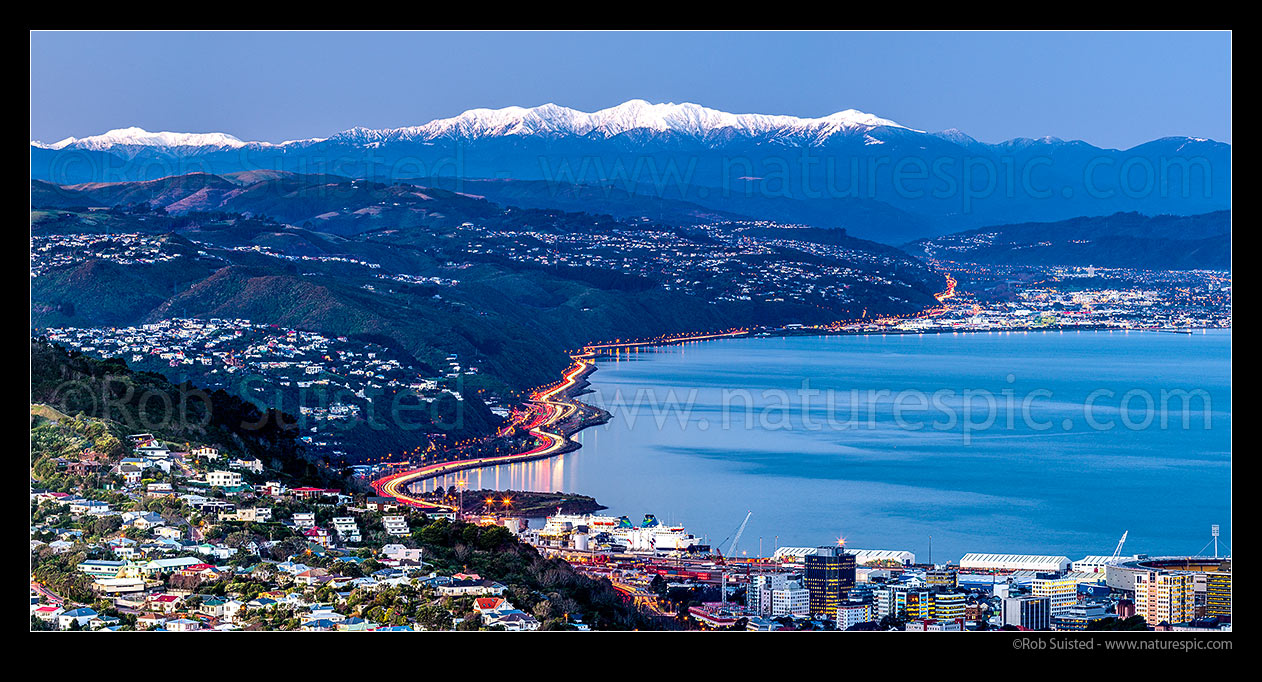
(143, 402)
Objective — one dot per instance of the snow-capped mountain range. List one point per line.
(139, 137)
(687, 119)
(849, 169)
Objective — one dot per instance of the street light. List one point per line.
(461, 484)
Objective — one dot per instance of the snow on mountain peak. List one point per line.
(139, 137)
(636, 114)
(687, 119)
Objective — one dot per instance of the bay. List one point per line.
(888, 440)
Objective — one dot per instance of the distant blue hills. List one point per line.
(878, 179)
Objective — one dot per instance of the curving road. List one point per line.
(547, 409)
(549, 406)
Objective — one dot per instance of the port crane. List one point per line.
(731, 550)
(736, 538)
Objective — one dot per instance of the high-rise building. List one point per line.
(1027, 611)
(790, 600)
(758, 594)
(1062, 591)
(1218, 595)
(882, 602)
(947, 605)
(1165, 596)
(830, 573)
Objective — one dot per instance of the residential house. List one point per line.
(143, 520)
(149, 621)
(318, 535)
(395, 525)
(207, 453)
(381, 504)
(163, 603)
(251, 464)
(182, 625)
(224, 479)
(476, 588)
(47, 613)
(347, 529)
(98, 568)
(90, 507)
(249, 515)
(511, 620)
(159, 489)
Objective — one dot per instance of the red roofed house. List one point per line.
(199, 571)
(165, 603)
(317, 535)
(489, 604)
(313, 492)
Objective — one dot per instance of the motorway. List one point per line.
(549, 406)
(665, 340)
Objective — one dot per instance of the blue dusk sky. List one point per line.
(1110, 89)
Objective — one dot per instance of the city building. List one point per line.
(1165, 596)
(830, 573)
(1061, 591)
(941, 577)
(758, 592)
(902, 600)
(1079, 615)
(1027, 612)
(790, 600)
(851, 613)
(1014, 562)
(935, 625)
(1218, 595)
(947, 606)
(863, 557)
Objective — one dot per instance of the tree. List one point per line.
(1114, 623)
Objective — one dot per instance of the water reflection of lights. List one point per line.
(542, 476)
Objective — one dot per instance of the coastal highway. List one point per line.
(665, 340)
(549, 406)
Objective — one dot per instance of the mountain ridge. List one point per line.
(552, 119)
(872, 176)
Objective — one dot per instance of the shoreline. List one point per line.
(559, 408)
(574, 383)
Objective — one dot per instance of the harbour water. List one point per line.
(1038, 442)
